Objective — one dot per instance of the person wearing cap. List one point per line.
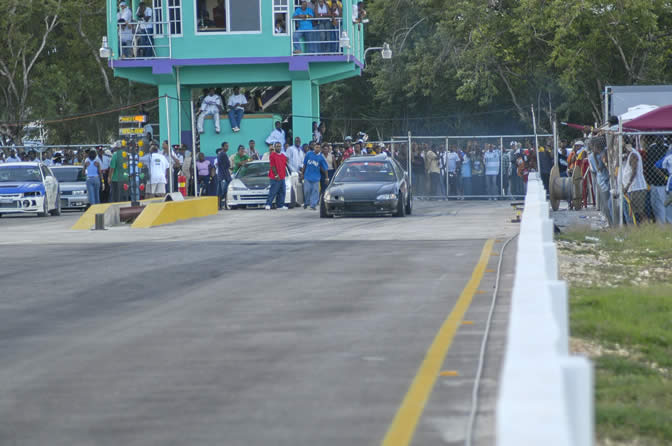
(348, 151)
(124, 13)
(126, 38)
(146, 42)
(236, 105)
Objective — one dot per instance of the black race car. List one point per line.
(368, 185)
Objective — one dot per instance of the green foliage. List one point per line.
(66, 76)
(461, 58)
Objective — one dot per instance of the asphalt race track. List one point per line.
(252, 328)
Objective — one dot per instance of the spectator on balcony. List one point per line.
(124, 13)
(146, 41)
(359, 13)
(335, 25)
(236, 105)
(126, 38)
(210, 106)
(304, 29)
(323, 14)
(277, 135)
(279, 26)
(219, 15)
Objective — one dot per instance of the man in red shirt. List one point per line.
(277, 175)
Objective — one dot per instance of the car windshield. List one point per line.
(253, 170)
(69, 174)
(20, 173)
(365, 171)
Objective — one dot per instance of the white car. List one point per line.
(28, 187)
(251, 184)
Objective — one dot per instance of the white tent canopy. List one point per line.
(637, 111)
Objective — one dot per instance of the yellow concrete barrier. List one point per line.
(157, 214)
(88, 218)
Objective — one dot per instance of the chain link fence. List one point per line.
(489, 167)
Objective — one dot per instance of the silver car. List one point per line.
(73, 187)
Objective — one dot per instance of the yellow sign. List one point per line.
(132, 131)
(133, 119)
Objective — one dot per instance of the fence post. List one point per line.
(501, 166)
(410, 173)
(193, 149)
(445, 168)
(170, 147)
(619, 190)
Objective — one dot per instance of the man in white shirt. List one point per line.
(126, 37)
(146, 41)
(211, 106)
(236, 108)
(295, 156)
(158, 168)
(13, 157)
(124, 13)
(277, 135)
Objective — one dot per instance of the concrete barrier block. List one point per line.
(579, 379)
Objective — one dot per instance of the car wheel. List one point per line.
(56, 212)
(401, 207)
(44, 212)
(323, 210)
(409, 206)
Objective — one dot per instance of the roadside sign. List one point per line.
(135, 119)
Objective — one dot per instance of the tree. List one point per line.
(29, 25)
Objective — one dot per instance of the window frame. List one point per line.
(282, 9)
(197, 32)
(157, 5)
(170, 22)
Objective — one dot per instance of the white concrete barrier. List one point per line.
(546, 396)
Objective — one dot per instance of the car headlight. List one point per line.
(386, 197)
(78, 192)
(327, 196)
(32, 194)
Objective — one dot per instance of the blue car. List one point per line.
(28, 187)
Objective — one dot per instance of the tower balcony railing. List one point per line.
(324, 39)
(138, 42)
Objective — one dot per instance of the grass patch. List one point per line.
(625, 314)
(638, 318)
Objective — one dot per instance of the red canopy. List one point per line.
(659, 119)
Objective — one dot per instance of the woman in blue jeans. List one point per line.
(92, 170)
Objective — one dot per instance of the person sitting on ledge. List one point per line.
(236, 107)
(211, 106)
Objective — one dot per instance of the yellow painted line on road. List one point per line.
(467, 322)
(402, 429)
(489, 270)
(450, 373)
